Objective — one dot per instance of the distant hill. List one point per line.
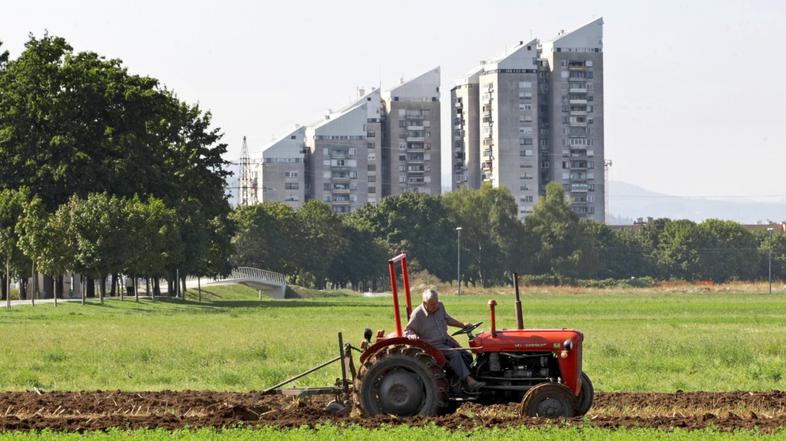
(629, 202)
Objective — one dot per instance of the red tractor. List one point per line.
(541, 368)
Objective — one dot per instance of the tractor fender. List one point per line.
(431, 350)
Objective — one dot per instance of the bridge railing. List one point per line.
(245, 272)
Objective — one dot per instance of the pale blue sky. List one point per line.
(694, 89)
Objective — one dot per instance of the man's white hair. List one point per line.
(430, 294)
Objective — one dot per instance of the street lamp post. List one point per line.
(769, 259)
(458, 259)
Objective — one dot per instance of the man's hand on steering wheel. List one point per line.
(467, 329)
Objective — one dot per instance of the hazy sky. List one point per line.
(694, 105)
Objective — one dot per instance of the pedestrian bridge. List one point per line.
(272, 283)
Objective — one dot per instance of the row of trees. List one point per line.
(102, 236)
(75, 123)
(315, 246)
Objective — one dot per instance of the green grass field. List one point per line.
(634, 341)
(232, 341)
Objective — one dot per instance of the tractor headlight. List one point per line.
(568, 345)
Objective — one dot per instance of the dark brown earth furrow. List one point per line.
(101, 410)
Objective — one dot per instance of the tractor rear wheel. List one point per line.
(549, 400)
(586, 395)
(401, 380)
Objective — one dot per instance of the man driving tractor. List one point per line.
(429, 322)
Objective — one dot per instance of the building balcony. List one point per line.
(579, 188)
(414, 128)
(415, 139)
(578, 113)
(342, 202)
(577, 90)
(581, 102)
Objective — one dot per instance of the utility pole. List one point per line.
(769, 259)
(606, 167)
(458, 259)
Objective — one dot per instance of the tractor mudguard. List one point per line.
(431, 350)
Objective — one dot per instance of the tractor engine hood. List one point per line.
(526, 340)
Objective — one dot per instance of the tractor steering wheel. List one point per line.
(467, 329)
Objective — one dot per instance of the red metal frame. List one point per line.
(405, 276)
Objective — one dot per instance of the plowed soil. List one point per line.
(82, 411)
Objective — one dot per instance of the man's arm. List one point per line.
(451, 321)
(410, 331)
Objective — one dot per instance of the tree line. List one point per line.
(313, 246)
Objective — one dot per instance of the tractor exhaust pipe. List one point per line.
(492, 306)
(519, 314)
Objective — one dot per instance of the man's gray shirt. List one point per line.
(431, 328)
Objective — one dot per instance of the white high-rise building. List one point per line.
(283, 170)
(540, 116)
(412, 136)
(342, 165)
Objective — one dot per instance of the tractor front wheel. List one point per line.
(401, 380)
(585, 396)
(549, 400)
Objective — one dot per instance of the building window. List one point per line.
(372, 157)
(372, 190)
(291, 186)
(526, 152)
(372, 178)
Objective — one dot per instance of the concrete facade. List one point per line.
(509, 124)
(412, 136)
(339, 160)
(540, 119)
(465, 132)
(575, 62)
(283, 170)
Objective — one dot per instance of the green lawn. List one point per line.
(232, 341)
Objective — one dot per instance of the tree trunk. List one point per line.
(49, 286)
(169, 288)
(4, 291)
(59, 286)
(90, 290)
(183, 278)
(22, 289)
(156, 286)
(102, 288)
(114, 285)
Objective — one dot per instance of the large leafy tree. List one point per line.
(415, 223)
(78, 123)
(730, 252)
(267, 236)
(563, 246)
(492, 239)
